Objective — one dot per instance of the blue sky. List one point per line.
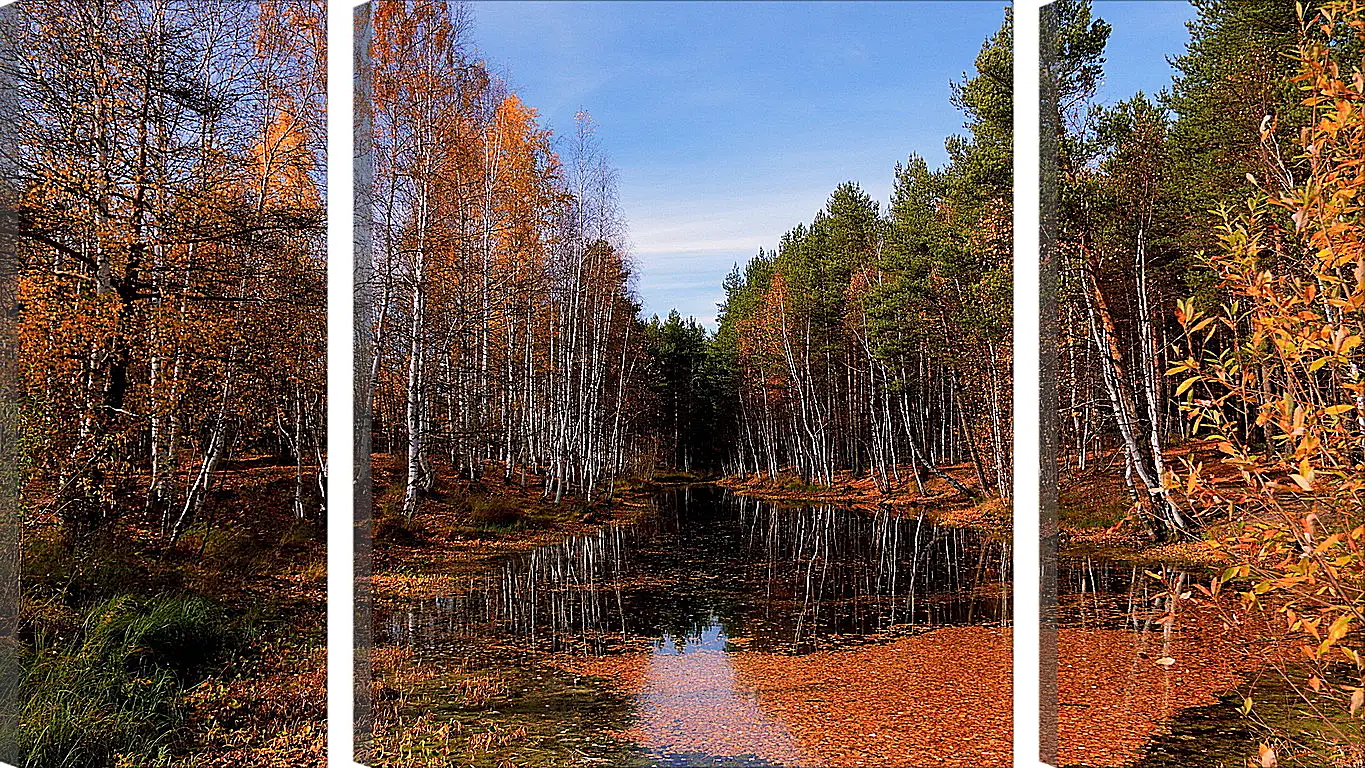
(1146, 33)
(732, 122)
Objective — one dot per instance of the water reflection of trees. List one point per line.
(826, 571)
(1105, 594)
(789, 579)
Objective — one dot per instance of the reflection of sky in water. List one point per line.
(693, 711)
(711, 638)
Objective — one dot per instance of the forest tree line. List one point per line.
(505, 337)
(881, 343)
(162, 175)
(1145, 184)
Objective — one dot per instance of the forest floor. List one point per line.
(933, 495)
(235, 608)
(932, 698)
(1095, 511)
(465, 527)
(1120, 690)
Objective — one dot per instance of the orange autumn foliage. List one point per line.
(170, 265)
(1274, 376)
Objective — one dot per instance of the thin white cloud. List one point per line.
(688, 241)
(684, 247)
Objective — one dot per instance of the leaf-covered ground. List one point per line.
(430, 555)
(937, 698)
(1118, 688)
(933, 494)
(940, 698)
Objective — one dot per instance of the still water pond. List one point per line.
(690, 602)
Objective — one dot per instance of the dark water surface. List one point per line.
(782, 579)
(709, 575)
(1097, 593)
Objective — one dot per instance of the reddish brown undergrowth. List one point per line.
(948, 505)
(427, 556)
(1095, 508)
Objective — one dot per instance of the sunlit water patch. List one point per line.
(688, 682)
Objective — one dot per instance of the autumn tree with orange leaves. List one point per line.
(501, 322)
(168, 220)
(163, 170)
(1273, 375)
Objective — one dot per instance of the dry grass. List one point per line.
(266, 571)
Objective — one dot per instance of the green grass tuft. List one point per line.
(496, 513)
(109, 695)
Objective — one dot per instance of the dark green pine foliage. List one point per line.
(878, 343)
(984, 159)
(684, 386)
(818, 261)
(1233, 83)
(914, 248)
(1075, 63)
(1073, 68)
(978, 188)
